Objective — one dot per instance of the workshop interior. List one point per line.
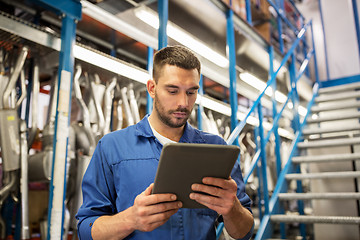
(279, 78)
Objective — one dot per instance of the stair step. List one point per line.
(310, 196)
(326, 158)
(334, 118)
(310, 131)
(315, 219)
(340, 88)
(338, 96)
(323, 175)
(329, 143)
(338, 106)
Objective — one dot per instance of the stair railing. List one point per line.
(270, 205)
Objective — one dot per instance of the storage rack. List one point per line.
(35, 34)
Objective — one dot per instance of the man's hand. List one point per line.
(222, 199)
(148, 212)
(153, 210)
(222, 194)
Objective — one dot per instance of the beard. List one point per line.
(166, 116)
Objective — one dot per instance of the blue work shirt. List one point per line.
(124, 164)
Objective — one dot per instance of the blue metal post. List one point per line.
(274, 103)
(163, 6)
(258, 171)
(263, 160)
(279, 23)
(295, 96)
(276, 134)
(315, 61)
(62, 122)
(325, 48)
(149, 100)
(356, 19)
(200, 107)
(230, 37)
(248, 11)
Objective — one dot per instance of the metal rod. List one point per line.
(200, 107)
(163, 6)
(263, 159)
(325, 47)
(108, 97)
(79, 99)
(14, 76)
(248, 12)
(230, 39)
(24, 189)
(62, 120)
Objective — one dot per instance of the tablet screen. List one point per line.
(183, 164)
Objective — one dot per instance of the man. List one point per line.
(117, 185)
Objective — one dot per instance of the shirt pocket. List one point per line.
(131, 178)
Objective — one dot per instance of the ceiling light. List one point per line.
(149, 17)
(110, 64)
(260, 85)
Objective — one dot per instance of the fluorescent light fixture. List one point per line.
(149, 17)
(260, 85)
(110, 64)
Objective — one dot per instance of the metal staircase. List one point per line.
(329, 170)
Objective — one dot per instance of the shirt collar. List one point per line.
(191, 135)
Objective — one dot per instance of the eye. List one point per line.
(172, 91)
(191, 92)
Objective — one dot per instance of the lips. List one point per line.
(180, 114)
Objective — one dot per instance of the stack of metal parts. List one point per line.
(329, 167)
(13, 138)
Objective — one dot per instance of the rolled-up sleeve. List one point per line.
(98, 193)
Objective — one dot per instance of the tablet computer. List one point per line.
(183, 164)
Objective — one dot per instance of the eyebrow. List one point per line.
(174, 86)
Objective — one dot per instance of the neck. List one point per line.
(169, 132)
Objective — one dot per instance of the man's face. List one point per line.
(175, 95)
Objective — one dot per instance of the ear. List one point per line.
(150, 86)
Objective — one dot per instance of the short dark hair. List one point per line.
(179, 56)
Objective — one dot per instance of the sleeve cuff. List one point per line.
(85, 226)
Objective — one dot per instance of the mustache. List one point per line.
(181, 110)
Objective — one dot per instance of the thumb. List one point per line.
(149, 190)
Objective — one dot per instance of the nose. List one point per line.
(183, 100)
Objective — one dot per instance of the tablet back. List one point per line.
(182, 164)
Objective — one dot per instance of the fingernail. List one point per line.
(180, 204)
(173, 197)
(192, 196)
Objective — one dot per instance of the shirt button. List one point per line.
(90, 224)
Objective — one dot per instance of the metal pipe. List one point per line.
(120, 117)
(108, 97)
(163, 6)
(14, 75)
(129, 117)
(5, 191)
(99, 112)
(23, 89)
(133, 105)
(24, 189)
(79, 99)
(34, 103)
